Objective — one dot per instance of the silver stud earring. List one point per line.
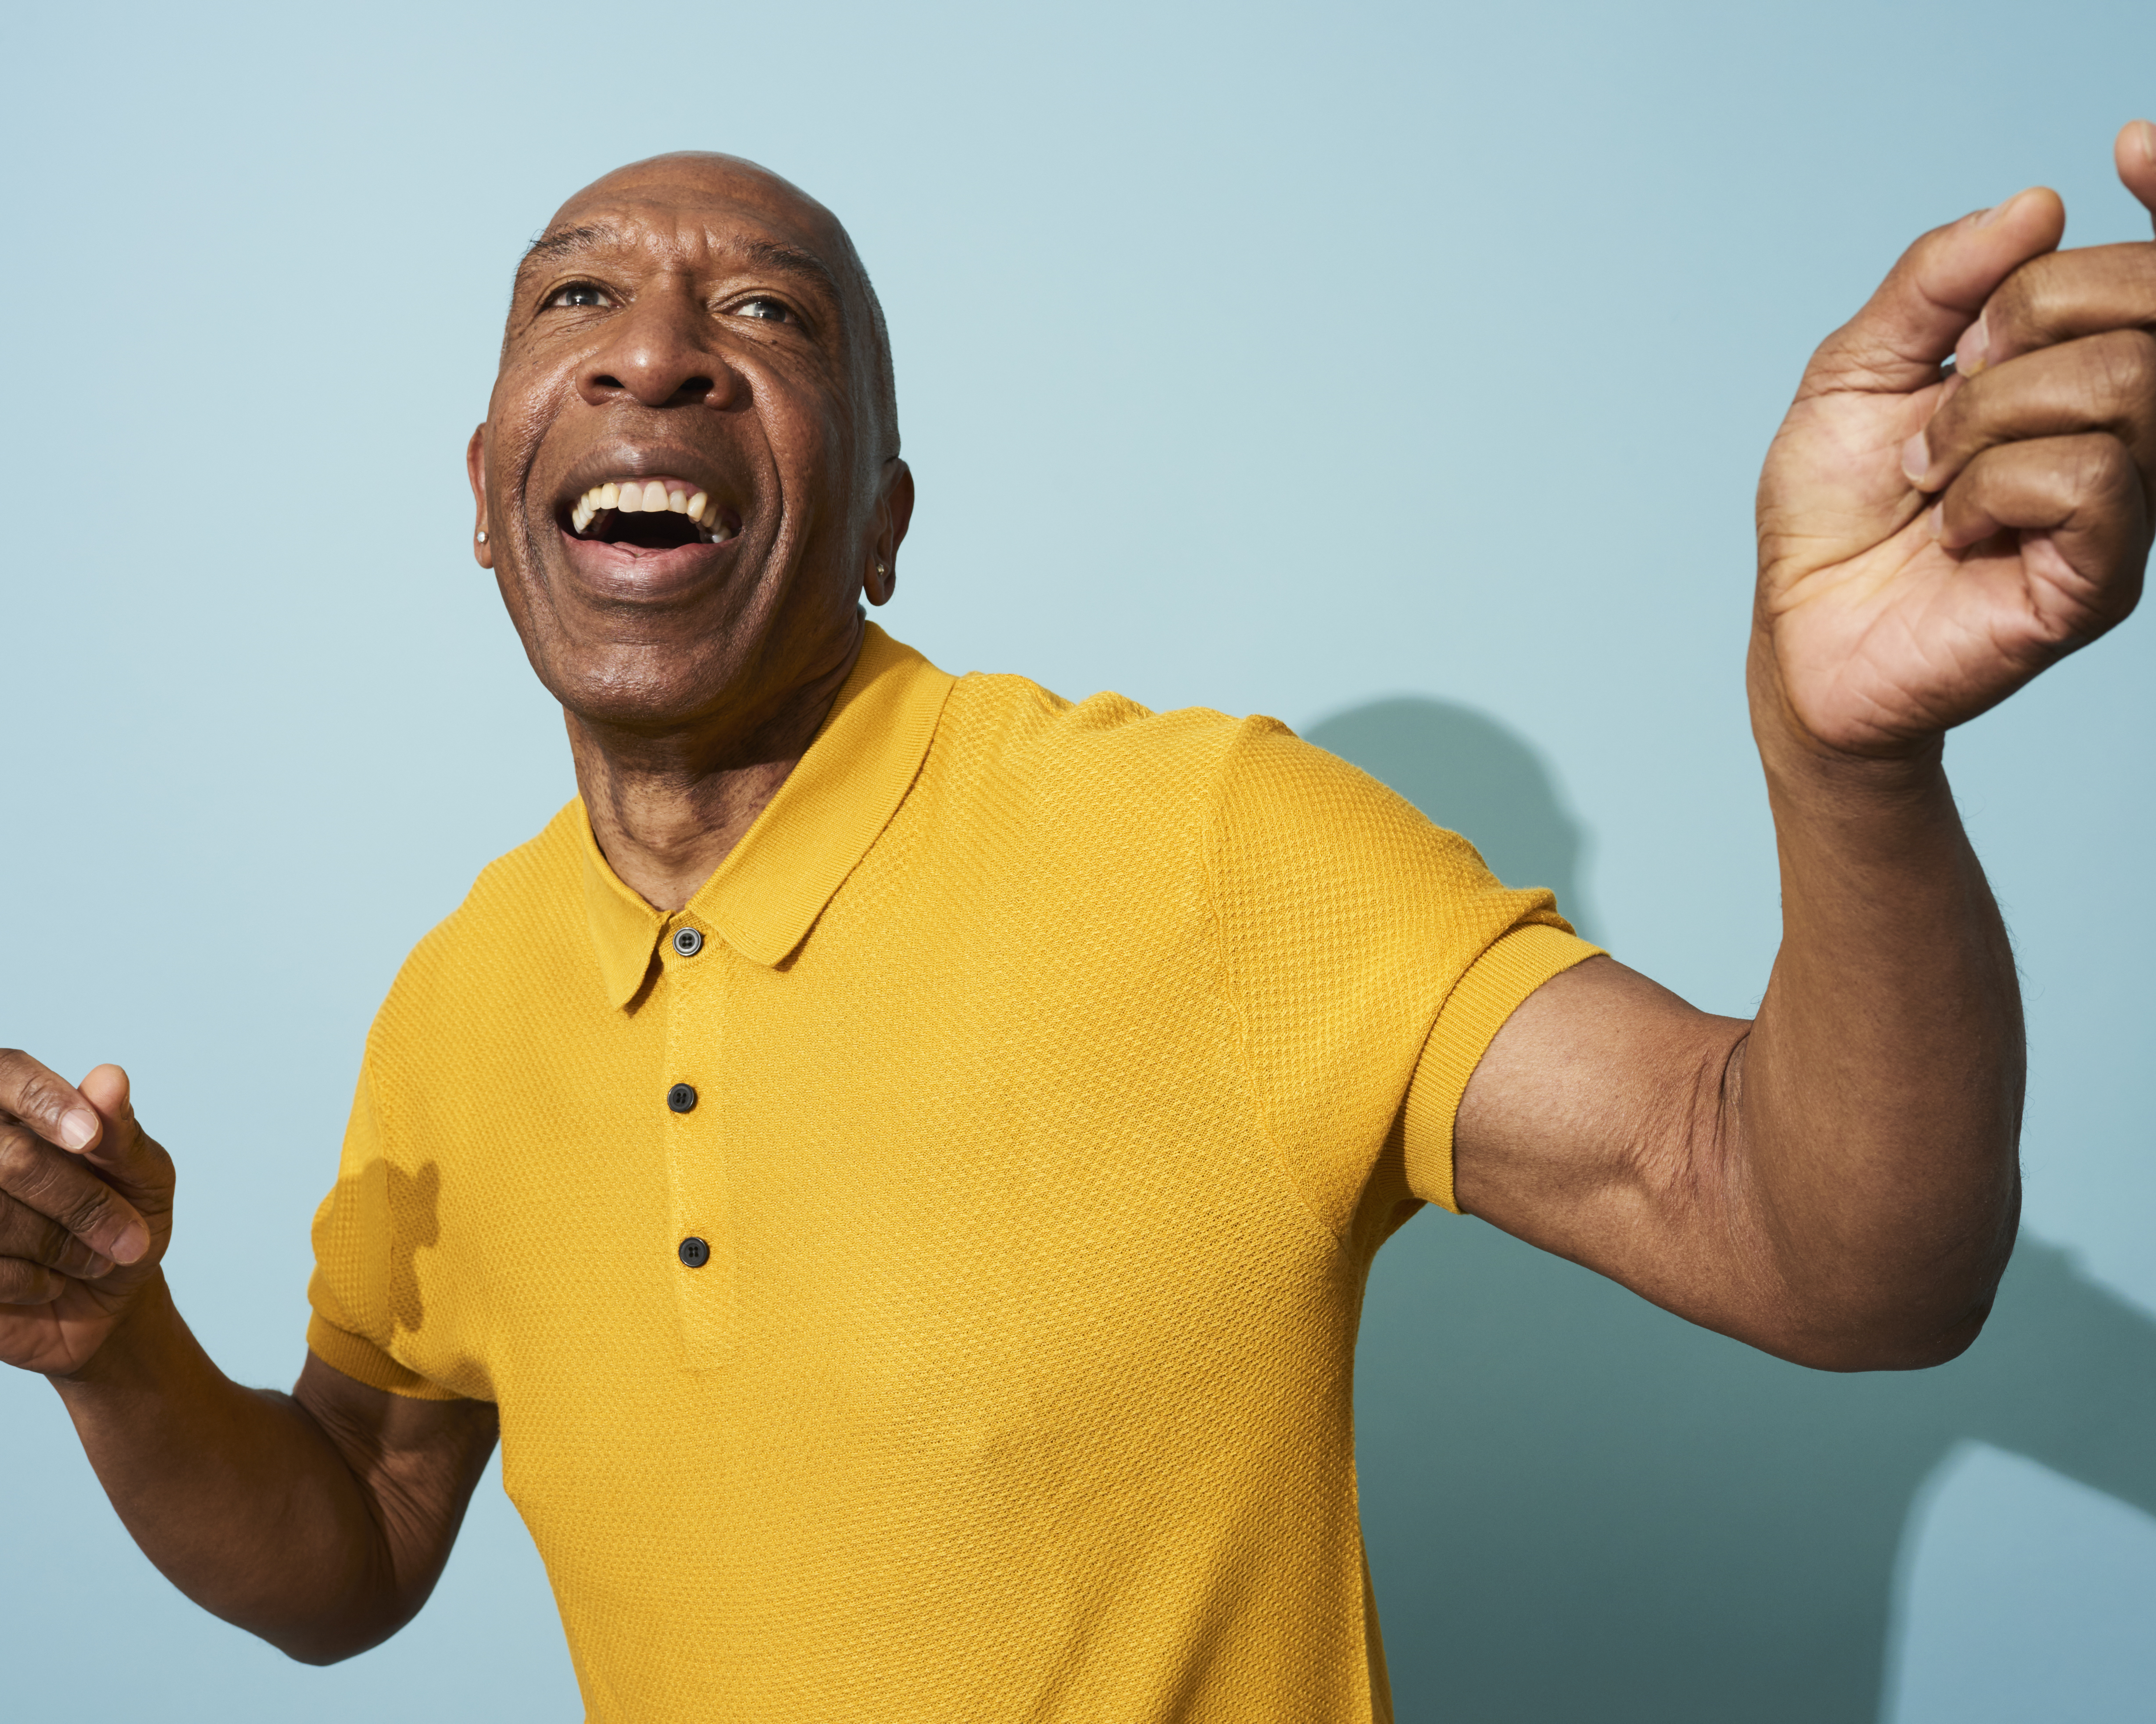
(482, 535)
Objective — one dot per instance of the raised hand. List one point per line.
(1931, 537)
(86, 1212)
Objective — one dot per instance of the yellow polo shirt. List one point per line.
(920, 1280)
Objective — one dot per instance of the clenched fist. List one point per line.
(85, 1212)
(1932, 535)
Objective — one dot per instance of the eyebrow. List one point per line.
(795, 261)
(791, 260)
(548, 246)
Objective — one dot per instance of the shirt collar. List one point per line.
(775, 883)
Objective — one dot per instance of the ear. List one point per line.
(475, 470)
(894, 514)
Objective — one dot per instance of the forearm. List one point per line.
(237, 1495)
(1876, 1103)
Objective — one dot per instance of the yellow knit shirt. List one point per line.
(1057, 1069)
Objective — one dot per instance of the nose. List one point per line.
(653, 355)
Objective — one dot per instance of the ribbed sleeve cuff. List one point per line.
(363, 1360)
(1489, 993)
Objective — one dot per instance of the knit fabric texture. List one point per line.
(1057, 1070)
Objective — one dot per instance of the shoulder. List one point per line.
(1269, 775)
(1292, 829)
(1250, 786)
(523, 918)
(1104, 749)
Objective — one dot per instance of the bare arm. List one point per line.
(319, 1520)
(1837, 1182)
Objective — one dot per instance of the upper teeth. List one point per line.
(644, 496)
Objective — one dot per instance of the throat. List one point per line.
(664, 841)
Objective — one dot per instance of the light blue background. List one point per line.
(1275, 358)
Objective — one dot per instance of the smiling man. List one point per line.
(897, 1160)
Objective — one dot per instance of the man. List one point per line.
(897, 1159)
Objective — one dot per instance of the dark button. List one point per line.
(694, 1252)
(688, 941)
(681, 1098)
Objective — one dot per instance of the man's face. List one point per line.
(681, 476)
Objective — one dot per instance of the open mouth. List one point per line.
(650, 514)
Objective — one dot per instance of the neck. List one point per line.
(667, 808)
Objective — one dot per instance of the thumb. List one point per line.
(122, 1154)
(1895, 344)
(2135, 153)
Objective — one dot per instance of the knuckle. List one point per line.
(2124, 363)
(25, 1233)
(40, 1179)
(2138, 356)
(82, 1210)
(2081, 471)
(22, 1282)
(18, 1156)
(49, 1242)
(17, 1068)
(39, 1097)
(2106, 466)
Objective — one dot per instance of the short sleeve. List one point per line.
(352, 1291)
(1362, 946)
(1476, 1010)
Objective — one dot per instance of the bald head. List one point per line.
(711, 179)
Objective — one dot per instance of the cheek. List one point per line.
(527, 404)
(805, 428)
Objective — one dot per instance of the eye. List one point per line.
(766, 308)
(580, 295)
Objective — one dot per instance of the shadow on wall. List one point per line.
(1578, 1506)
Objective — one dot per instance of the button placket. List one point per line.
(697, 1242)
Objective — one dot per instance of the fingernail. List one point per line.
(98, 1265)
(1973, 352)
(78, 1126)
(1936, 521)
(131, 1243)
(1917, 459)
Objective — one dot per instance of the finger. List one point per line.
(34, 1237)
(2059, 298)
(1895, 344)
(52, 1107)
(2077, 503)
(125, 1153)
(57, 1185)
(28, 1283)
(2105, 382)
(2135, 153)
